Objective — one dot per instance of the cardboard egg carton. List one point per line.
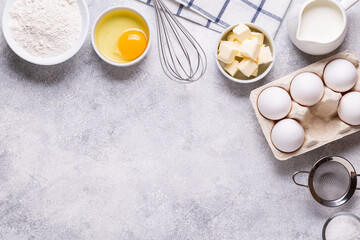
(321, 122)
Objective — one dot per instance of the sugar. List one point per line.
(343, 228)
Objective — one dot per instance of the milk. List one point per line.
(321, 21)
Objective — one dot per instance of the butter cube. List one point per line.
(236, 46)
(239, 55)
(258, 36)
(265, 55)
(241, 32)
(255, 73)
(231, 37)
(232, 68)
(227, 52)
(250, 49)
(247, 67)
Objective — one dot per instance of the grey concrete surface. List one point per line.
(91, 151)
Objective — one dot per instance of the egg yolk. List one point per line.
(132, 44)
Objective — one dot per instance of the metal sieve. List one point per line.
(332, 181)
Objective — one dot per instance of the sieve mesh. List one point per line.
(331, 181)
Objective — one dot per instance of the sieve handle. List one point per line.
(299, 184)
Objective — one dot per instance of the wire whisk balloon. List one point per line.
(182, 58)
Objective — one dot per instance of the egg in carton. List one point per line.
(300, 119)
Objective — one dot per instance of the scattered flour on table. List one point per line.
(45, 28)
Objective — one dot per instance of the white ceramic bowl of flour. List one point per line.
(21, 52)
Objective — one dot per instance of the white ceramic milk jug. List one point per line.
(320, 26)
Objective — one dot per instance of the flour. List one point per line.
(45, 28)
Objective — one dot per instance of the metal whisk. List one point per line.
(182, 58)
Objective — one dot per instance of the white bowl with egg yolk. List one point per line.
(96, 47)
(263, 70)
(6, 18)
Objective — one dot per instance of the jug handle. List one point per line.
(294, 180)
(348, 3)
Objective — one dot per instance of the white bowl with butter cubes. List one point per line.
(245, 53)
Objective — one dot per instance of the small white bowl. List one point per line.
(335, 216)
(268, 41)
(103, 14)
(40, 60)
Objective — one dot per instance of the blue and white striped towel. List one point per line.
(219, 14)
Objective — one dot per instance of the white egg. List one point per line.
(340, 75)
(307, 89)
(274, 103)
(349, 108)
(288, 135)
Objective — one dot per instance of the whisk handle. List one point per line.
(294, 180)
